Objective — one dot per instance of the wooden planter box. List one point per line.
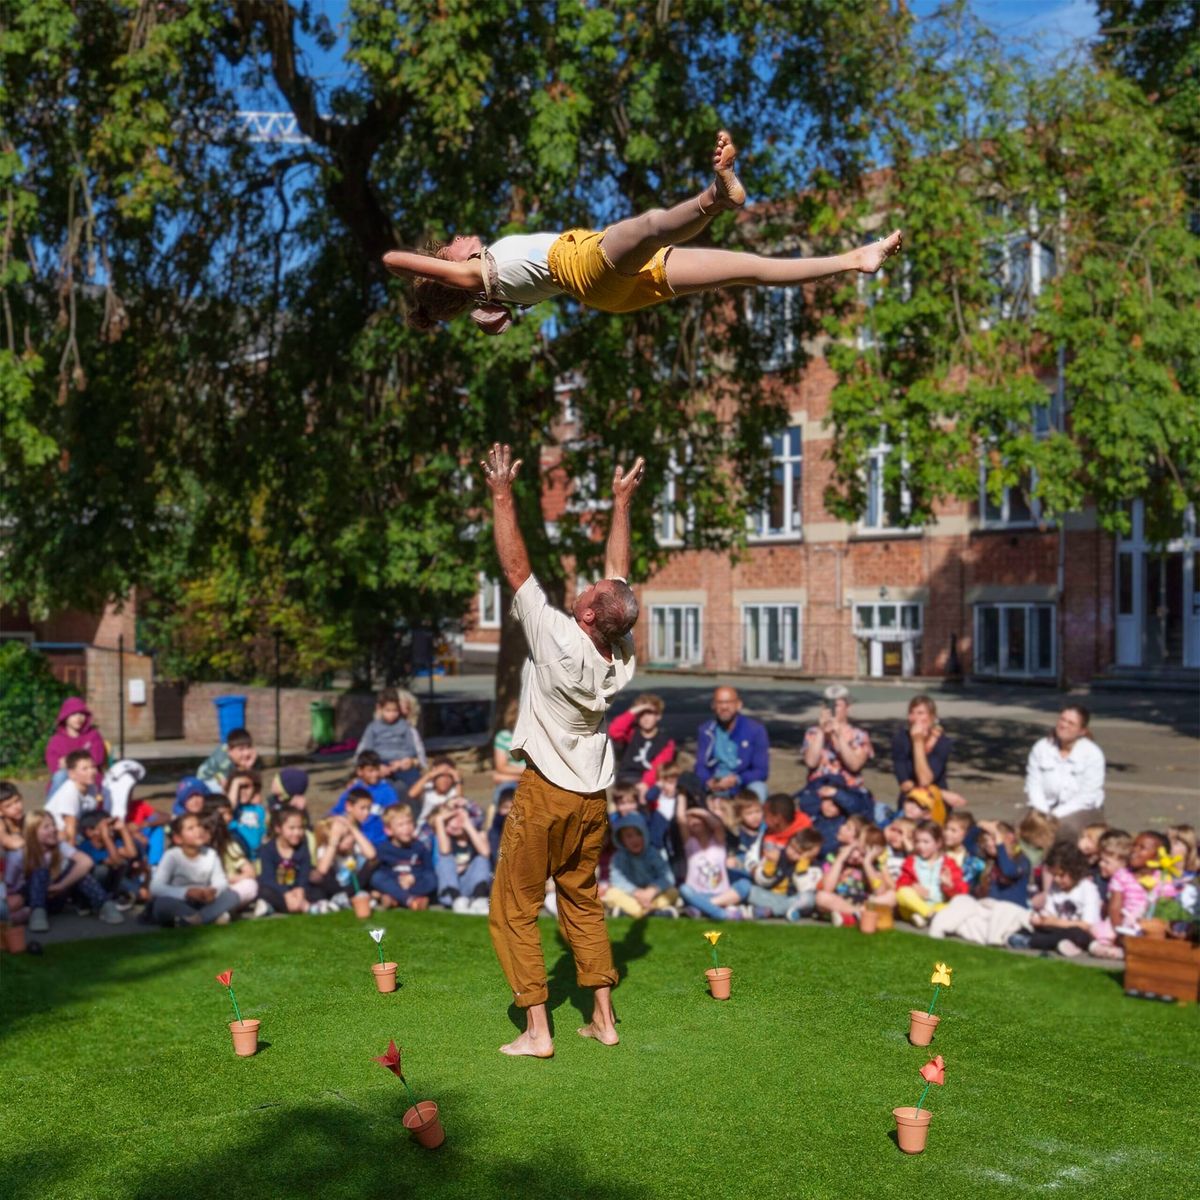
(1163, 967)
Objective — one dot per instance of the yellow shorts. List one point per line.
(580, 267)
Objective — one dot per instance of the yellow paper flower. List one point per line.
(1149, 882)
(941, 974)
(712, 936)
(1171, 866)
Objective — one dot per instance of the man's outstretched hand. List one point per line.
(625, 483)
(500, 470)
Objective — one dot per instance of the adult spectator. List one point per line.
(731, 749)
(1064, 776)
(835, 751)
(73, 730)
(921, 752)
(506, 770)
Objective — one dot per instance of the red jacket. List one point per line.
(958, 885)
(621, 730)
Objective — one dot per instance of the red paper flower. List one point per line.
(934, 1071)
(391, 1060)
(224, 977)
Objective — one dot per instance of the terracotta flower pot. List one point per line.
(912, 1128)
(719, 982)
(868, 920)
(245, 1037)
(423, 1123)
(887, 916)
(1153, 927)
(385, 976)
(362, 905)
(921, 1026)
(14, 939)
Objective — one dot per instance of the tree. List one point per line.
(268, 351)
(1000, 173)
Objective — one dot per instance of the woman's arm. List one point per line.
(853, 758)
(409, 265)
(814, 743)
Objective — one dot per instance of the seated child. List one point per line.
(442, 782)
(898, 838)
(1000, 906)
(1183, 844)
(642, 744)
(12, 817)
(191, 796)
(244, 790)
(827, 817)
(639, 880)
(115, 856)
(289, 789)
(285, 882)
(48, 871)
(1071, 909)
(746, 835)
(368, 772)
(394, 738)
(404, 876)
(958, 827)
(1089, 846)
(236, 753)
(662, 797)
(853, 876)
(707, 887)
(928, 880)
(189, 886)
(1124, 900)
(786, 880)
(626, 802)
(1037, 833)
(464, 870)
(358, 812)
(76, 795)
(353, 856)
(236, 861)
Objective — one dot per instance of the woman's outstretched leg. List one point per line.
(691, 269)
(630, 244)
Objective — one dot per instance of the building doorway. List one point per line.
(889, 638)
(1158, 596)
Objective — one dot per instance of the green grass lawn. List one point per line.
(119, 1079)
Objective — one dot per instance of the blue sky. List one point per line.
(1052, 27)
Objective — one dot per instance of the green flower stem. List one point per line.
(379, 947)
(937, 987)
(237, 1011)
(716, 963)
(354, 880)
(412, 1100)
(922, 1099)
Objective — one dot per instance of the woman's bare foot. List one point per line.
(529, 1047)
(727, 188)
(606, 1035)
(871, 258)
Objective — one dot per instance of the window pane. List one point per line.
(866, 616)
(776, 522)
(987, 653)
(774, 645)
(1125, 585)
(750, 624)
(874, 492)
(793, 435)
(887, 616)
(791, 634)
(1014, 627)
(1045, 640)
(1018, 503)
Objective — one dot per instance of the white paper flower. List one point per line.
(377, 934)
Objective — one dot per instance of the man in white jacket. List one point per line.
(1064, 777)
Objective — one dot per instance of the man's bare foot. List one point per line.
(607, 1035)
(727, 188)
(872, 257)
(529, 1047)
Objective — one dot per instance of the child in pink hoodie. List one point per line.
(73, 730)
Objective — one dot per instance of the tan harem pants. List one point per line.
(550, 833)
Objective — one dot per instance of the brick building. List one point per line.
(986, 590)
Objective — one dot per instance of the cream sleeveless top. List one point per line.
(522, 273)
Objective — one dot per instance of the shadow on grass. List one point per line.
(332, 1147)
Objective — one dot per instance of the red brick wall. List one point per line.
(106, 697)
(200, 714)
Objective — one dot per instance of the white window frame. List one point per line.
(1031, 236)
(691, 618)
(489, 587)
(1053, 420)
(793, 490)
(667, 520)
(877, 496)
(794, 625)
(1001, 669)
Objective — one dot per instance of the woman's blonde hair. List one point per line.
(1187, 835)
(435, 302)
(321, 829)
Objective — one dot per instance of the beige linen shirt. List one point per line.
(566, 688)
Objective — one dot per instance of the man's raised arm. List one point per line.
(499, 470)
(616, 557)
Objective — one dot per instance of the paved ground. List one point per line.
(1151, 741)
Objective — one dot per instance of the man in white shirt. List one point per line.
(1064, 776)
(559, 818)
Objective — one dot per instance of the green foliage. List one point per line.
(30, 698)
(994, 163)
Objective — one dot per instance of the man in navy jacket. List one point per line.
(731, 749)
